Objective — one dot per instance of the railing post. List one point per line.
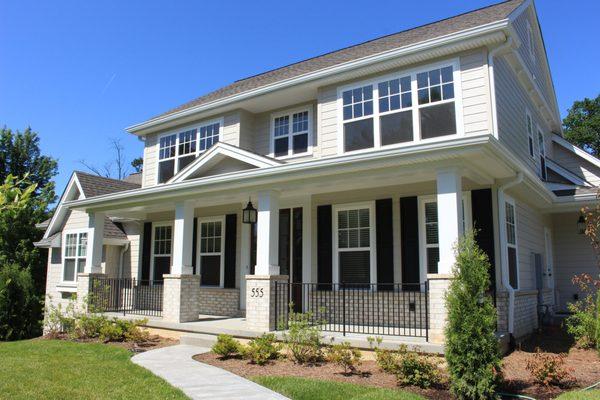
(427, 310)
(344, 309)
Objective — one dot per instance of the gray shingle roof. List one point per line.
(93, 185)
(422, 33)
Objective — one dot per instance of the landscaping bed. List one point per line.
(151, 343)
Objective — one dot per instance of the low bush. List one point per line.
(387, 360)
(549, 369)
(262, 349)
(226, 346)
(345, 356)
(303, 338)
(413, 369)
(88, 326)
(584, 322)
(20, 307)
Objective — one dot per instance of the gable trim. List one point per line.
(61, 211)
(576, 150)
(565, 173)
(227, 150)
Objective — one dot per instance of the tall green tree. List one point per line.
(582, 125)
(20, 156)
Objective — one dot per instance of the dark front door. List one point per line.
(290, 252)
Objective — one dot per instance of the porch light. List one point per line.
(249, 214)
(581, 224)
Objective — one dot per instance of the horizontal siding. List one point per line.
(76, 220)
(246, 130)
(475, 92)
(327, 121)
(131, 259)
(576, 164)
(231, 129)
(150, 171)
(573, 254)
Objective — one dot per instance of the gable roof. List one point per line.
(94, 185)
(469, 20)
(219, 152)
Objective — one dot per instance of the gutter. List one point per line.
(491, 54)
(503, 255)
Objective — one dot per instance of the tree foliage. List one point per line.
(20, 307)
(582, 125)
(471, 345)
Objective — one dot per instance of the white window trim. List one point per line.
(290, 113)
(372, 239)
(530, 43)
(529, 119)
(77, 232)
(176, 132)
(456, 71)
(468, 221)
(202, 220)
(511, 201)
(152, 256)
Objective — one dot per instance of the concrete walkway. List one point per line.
(198, 380)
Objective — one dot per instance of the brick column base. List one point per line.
(84, 284)
(260, 301)
(181, 296)
(438, 313)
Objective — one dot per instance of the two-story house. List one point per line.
(341, 183)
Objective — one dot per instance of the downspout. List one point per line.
(491, 54)
(121, 258)
(503, 255)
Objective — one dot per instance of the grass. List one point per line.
(579, 395)
(53, 369)
(314, 389)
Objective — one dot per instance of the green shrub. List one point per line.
(584, 322)
(345, 356)
(471, 345)
(303, 338)
(132, 330)
(89, 326)
(549, 369)
(226, 346)
(20, 307)
(111, 333)
(414, 369)
(57, 319)
(262, 349)
(387, 360)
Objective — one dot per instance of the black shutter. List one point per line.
(146, 249)
(385, 243)
(409, 232)
(230, 235)
(483, 221)
(194, 245)
(324, 247)
(297, 258)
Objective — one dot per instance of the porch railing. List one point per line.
(127, 296)
(374, 309)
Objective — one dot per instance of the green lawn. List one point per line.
(578, 395)
(53, 369)
(313, 389)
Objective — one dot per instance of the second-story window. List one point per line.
(437, 116)
(358, 118)
(291, 133)
(178, 150)
(529, 124)
(395, 109)
(542, 151)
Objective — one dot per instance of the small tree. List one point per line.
(471, 345)
(20, 308)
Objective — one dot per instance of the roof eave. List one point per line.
(500, 25)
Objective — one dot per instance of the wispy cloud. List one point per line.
(112, 78)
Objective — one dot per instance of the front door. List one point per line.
(290, 252)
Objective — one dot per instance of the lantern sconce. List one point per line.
(249, 214)
(581, 224)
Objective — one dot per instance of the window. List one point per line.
(542, 154)
(358, 118)
(211, 252)
(178, 150)
(354, 239)
(75, 253)
(511, 244)
(437, 115)
(529, 125)
(162, 244)
(399, 108)
(291, 133)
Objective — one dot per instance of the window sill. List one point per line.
(67, 287)
(293, 156)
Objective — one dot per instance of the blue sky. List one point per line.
(79, 72)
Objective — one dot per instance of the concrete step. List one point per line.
(198, 339)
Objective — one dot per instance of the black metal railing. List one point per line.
(127, 296)
(374, 309)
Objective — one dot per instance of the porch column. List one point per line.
(182, 239)
(262, 288)
(181, 289)
(449, 209)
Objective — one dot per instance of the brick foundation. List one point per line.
(438, 314)
(219, 301)
(260, 301)
(180, 298)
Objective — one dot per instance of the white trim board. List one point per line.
(576, 150)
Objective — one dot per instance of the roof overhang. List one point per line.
(575, 150)
(483, 35)
(73, 187)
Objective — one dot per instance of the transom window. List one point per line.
(75, 254)
(354, 245)
(291, 134)
(162, 245)
(511, 244)
(178, 150)
(390, 118)
(211, 252)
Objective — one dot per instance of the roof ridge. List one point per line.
(79, 172)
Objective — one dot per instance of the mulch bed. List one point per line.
(153, 342)
(585, 364)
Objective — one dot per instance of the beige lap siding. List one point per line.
(475, 92)
(578, 165)
(219, 301)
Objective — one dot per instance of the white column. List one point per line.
(93, 263)
(449, 205)
(244, 260)
(267, 233)
(183, 231)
